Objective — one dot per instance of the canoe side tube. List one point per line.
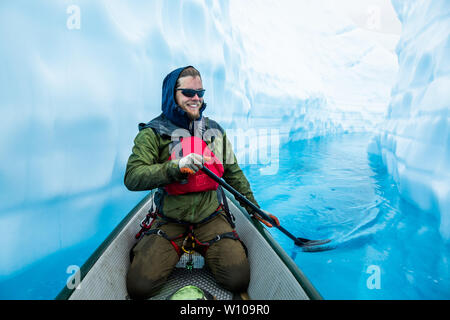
(66, 293)
(300, 277)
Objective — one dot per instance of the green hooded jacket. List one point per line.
(148, 166)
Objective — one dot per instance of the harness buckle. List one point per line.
(150, 215)
(145, 225)
(144, 222)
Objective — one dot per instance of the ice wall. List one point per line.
(317, 68)
(76, 78)
(415, 139)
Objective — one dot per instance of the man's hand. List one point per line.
(191, 163)
(268, 224)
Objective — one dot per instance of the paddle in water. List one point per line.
(306, 244)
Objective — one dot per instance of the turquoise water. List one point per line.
(44, 278)
(383, 248)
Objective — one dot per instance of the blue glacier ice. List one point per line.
(78, 76)
(76, 80)
(414, 141)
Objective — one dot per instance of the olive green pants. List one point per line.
(154, 258)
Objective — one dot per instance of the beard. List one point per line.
(192, 113)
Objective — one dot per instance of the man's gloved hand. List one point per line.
(268, 224)
(191, 163)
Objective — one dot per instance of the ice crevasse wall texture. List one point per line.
(414, 142)
(72, 93)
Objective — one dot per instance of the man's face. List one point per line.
(190, 105)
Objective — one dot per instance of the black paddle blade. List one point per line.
(312, 245)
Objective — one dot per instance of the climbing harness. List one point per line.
(190, 243)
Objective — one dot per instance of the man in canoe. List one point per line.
(168, 153)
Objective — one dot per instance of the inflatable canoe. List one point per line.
(273, 274)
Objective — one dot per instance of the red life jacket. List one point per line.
(199, 181)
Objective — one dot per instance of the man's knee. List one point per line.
(140, 287)
(153, 261)
(229, 265)
(236, 278)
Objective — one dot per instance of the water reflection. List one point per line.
(331, 188)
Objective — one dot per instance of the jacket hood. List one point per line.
(169, 107)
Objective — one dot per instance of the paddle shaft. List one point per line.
(240, 197)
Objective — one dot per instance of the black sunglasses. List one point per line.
(190, 93)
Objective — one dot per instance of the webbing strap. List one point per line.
(161, 233)
(224, 203)
(227, 235)
(202, 247)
